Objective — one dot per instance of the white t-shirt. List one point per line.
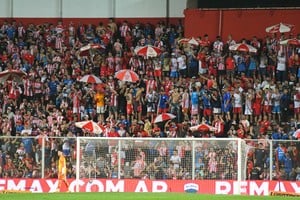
(174, 64)
(296, 101)
(281, 63)
(276, 99)
(237, 100)
(176, 160)
(181, 62)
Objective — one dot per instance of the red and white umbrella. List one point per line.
(280, 28)
(90, 126)
(85, 50)
(148, 51)
(192, 41)
(294, 42)
(297, 134)
(164, 117)
(202, 128)
(12, 74)
(243, 47)
(90, 78)
(127, 75)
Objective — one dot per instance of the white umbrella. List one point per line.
(90, 78)
(243, 47)
(148, 51)
(90, 126)
(127, 75)
(203, 128)
(12, 74)
(85, 50)
(279, 28)
(192, 41)
(164, 117)
(293, 41)
(297, 134)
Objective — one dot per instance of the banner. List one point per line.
(138, 185)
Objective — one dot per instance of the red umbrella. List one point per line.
(90, 126)
(293, 41)
(127, 75)
(85, 50)
(148, 51)
(90, 79)
(12, 74)
(243, 47)
(280, 28)
(164, 117)
(202, 128)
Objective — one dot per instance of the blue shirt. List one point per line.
(276, 136)
(252, 65)
(10, 31)
(163, 99)
(288, 164)
(53, 87)
(241, 65)
(206, 102)
(27, 144)
(280, 154)
(195, 98)
(227, 97)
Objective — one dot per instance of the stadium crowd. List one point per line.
(241, 94)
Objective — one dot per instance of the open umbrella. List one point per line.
(280, 28)
(297, 134)
(127, 75)
(192, 41)
(87, 49)
(90, 126)
(164, 117)
(148, 51)
(12, 74)
(243, 47)
(90, 78)
(294, 42)
(202, 128)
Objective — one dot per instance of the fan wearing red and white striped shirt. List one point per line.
(76, 102)
(59, 42)
(124, 29)
(21, 30)
(38, 88)
(50, 68)
(113, 104)
(28, 88)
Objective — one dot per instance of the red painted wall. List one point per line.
(239, 23)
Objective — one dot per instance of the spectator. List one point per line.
(53, 98)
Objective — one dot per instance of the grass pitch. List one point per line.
(131, 196)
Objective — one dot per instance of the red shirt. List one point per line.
(241, 133)
(202, 57)
(264, 126)
(230, 63)
(113, 134)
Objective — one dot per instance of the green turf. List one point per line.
(131, 196)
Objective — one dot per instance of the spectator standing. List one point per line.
(175, 160)
(281, 67)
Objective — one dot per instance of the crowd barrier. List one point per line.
(202, 165)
